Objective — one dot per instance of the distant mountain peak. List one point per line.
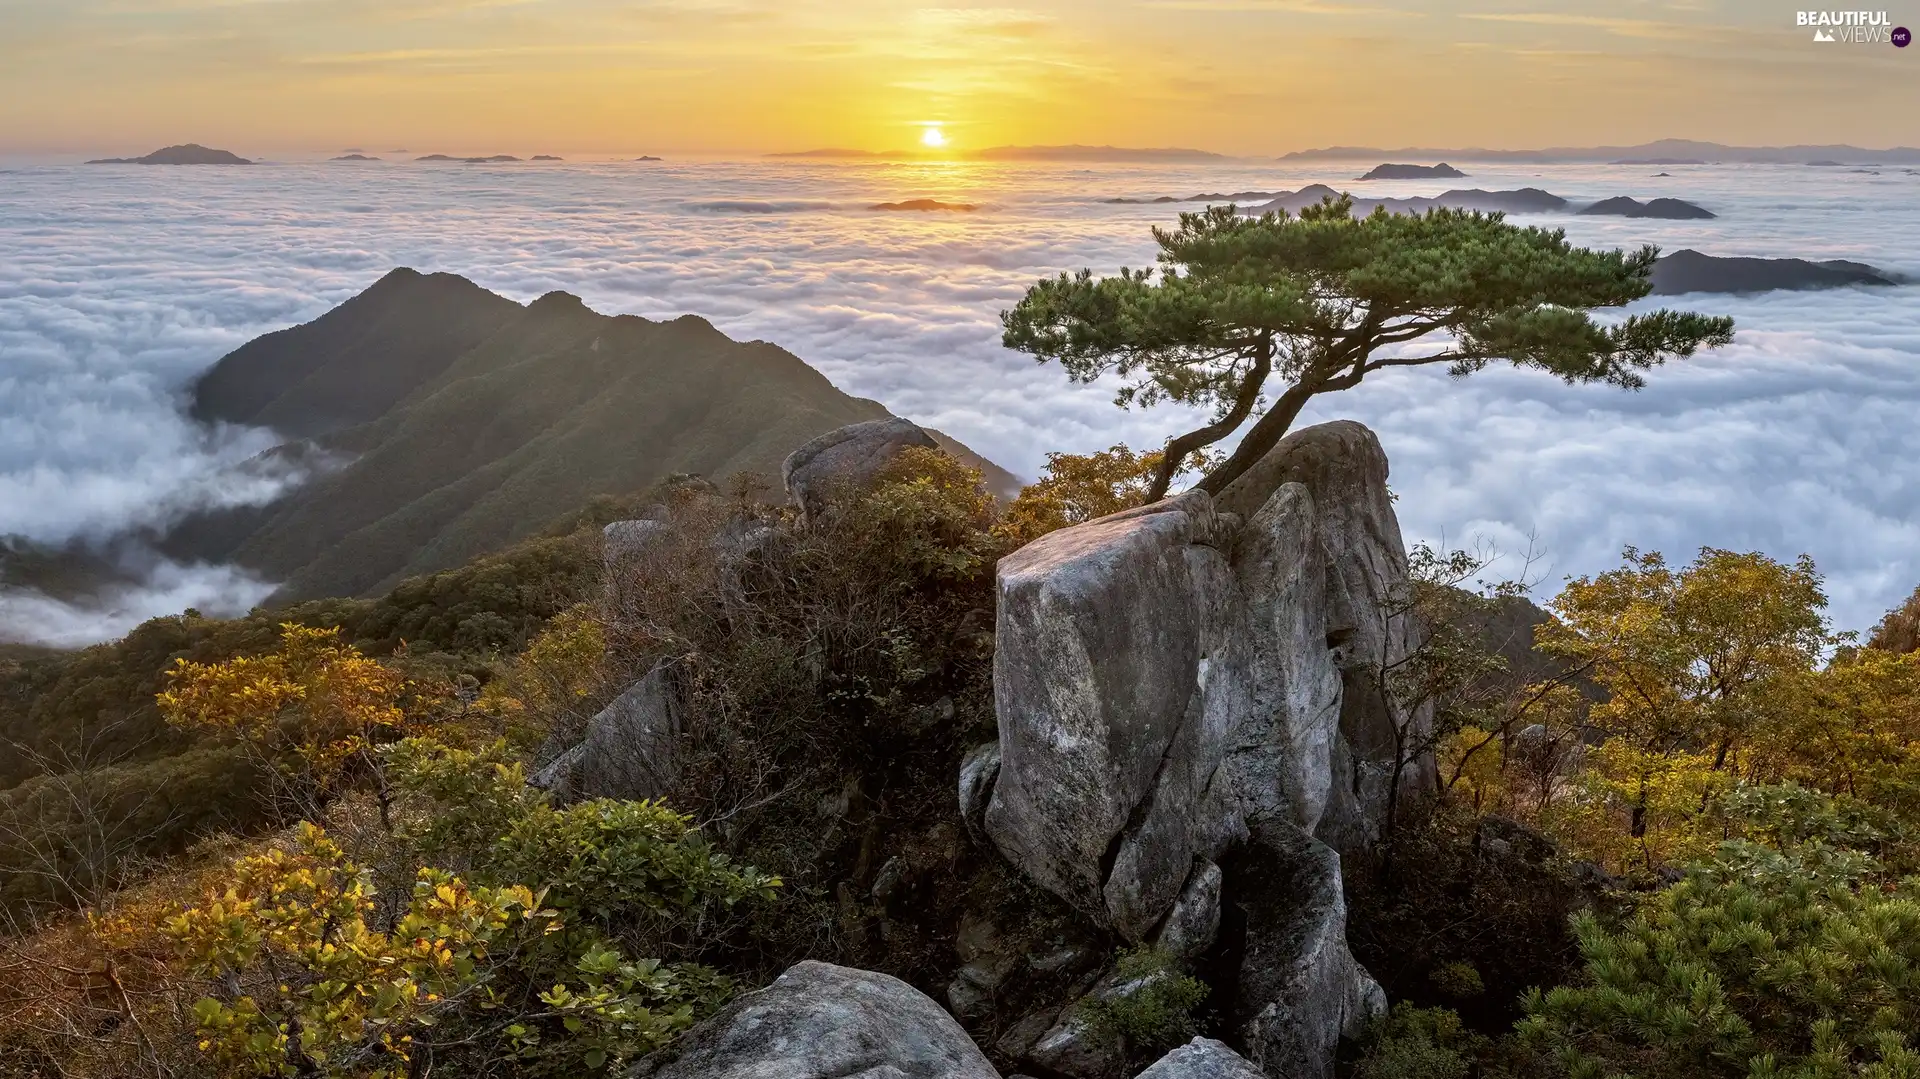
(469, 421)
(191, 153)
(558, 300)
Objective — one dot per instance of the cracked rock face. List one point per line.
(820, 1021)
(1165, 676)
(1099, 650)
(1300, 989)
(1197, 680)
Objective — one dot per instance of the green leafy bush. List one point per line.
(312, 965)
(1420, 1043)
(1150, 1007)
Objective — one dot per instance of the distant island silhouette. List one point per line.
(547, 157)
(355, 157)
(497, 159)
(1672, 209)
(1688, 270)
(925, 205)
(191, 153)
(649, 157)
(1413, 172)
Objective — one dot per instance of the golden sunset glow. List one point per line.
(932, 137)
(755, 76)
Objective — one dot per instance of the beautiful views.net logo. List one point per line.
(1853, 27)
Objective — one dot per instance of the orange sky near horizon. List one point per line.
(1250, 77)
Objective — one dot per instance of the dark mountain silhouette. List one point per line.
(1526, 200)
(497, 159)
(355, 157)
(354, 363)
(1671, 209)
(1413, 172)
(191, 153)
(467, 421)
(1687, 270)
(924, 205)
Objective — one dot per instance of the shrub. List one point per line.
(836, 669)
(1076, 488)
(1420, 1043)
(1149, 1009)
(1467, 898)
(305, 958)
(1800, 961)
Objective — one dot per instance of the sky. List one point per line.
(1244, 77)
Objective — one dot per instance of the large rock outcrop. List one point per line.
(1107, 774)
(820, 1021)
(1175, 680)
(631, 747)
(847, 457)
(1165, 676)
(1363, 560)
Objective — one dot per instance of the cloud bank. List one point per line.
(118, 286)
(33, 617)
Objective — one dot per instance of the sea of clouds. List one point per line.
(118, 285)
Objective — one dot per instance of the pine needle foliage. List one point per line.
(1314, 303)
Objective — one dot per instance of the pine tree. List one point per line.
(1321, 300)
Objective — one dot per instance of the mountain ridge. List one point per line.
(466, 420)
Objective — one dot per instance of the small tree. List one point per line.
(1690, 660)
(1321, 300)
(1076, 488)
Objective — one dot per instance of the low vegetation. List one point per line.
(1670, 835)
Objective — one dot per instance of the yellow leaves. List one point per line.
(316, 701)
(306, 910)
(1694, 664)
(561, 667)
(1077, 488)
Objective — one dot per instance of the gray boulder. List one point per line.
(633, 552)
(630, 749)
(1107, 777)
(624, 541)
(847, 457)
(820, 1021)
(1344, 470)
(1174, 679)
(1167, 675)
(1300, 990)
(1201, 1058)
(978, 772)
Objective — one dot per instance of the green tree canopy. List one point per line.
(1323, 299)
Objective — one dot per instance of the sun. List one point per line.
(932, 137)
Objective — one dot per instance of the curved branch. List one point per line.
(1178, 448)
